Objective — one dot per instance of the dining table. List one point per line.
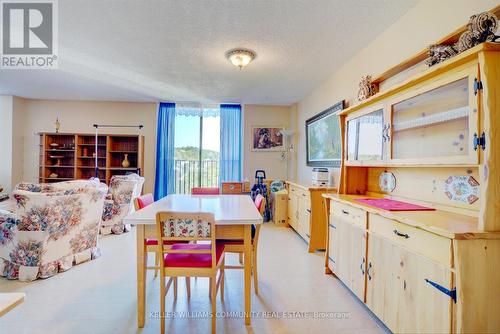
(234, 216)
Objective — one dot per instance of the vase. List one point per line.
(125, 162)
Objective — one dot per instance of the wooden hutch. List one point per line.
(431, 140)
(70, 156)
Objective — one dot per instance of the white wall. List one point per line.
(255, 115)
(28, 117)
(422, 25)
(79, 116)
(6, 116)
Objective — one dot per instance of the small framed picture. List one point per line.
(267, 138)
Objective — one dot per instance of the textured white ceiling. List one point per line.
(174, 50)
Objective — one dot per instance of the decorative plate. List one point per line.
(462, 188)
(387, 182)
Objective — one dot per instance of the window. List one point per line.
(197, 147)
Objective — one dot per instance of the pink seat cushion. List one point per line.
(145, 200)
(193, 260)
(204, 191)
(154, 242)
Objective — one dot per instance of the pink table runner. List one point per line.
(392, 205)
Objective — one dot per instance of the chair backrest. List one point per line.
(260, 203)
(205, 191)
(143, 201)
(185, 226)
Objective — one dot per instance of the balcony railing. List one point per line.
(193, 173)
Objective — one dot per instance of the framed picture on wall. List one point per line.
(323, 138)
(267, 138)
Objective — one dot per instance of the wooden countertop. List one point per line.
(444, 223)
(309, 186)
(10, 300)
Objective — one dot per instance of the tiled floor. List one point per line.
(100, 296)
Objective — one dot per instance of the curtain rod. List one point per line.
(140, 126)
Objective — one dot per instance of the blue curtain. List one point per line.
(164, 181)
(230, 142)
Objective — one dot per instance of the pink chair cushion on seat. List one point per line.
(193, 260)
(145, 200)
(204, 191)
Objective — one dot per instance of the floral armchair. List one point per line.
(53, 227)
(119, 202)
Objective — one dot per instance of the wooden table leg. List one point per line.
(248, 270)
(141, 284)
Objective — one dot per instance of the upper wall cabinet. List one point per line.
(437, 123)
(434, 122)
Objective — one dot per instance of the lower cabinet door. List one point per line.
(344, 250)
(358, 260)
(381, 297)
(292, 210)
(333, 249)
(405, 289)
(424, 305)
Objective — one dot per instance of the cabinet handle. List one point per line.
(361, 266)
(332, 226)
(308, 210)
(452, 293)
(387, 135)
(384, 129)
(304, 195)
(399, 234)
(368, 271)
(345, 212)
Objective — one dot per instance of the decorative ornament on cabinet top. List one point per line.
(366, 88)
(481, 28)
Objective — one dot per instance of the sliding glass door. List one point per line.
(197, 148)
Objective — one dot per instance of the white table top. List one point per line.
(10, 300)
(227, 209)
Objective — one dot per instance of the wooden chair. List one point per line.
(189, 260)
(236, 246)
(151, 245)
(205, 191)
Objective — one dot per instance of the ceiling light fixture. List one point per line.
(240, 57)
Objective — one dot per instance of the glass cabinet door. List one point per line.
(433, 124)
(365, 137)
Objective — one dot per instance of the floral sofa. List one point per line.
(119, 202)
(53, 227)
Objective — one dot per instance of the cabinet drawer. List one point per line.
(349, 214)
(426, 243)
(232, 187)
